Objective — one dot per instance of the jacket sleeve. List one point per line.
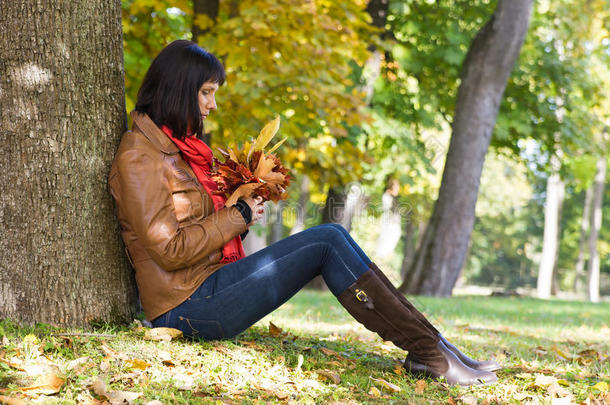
(147, 204)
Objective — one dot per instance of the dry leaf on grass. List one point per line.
(420, 386)
(329, 352)
(468, 400)
(332, 376)
(274, 330)
(47, 384)
(137, 364)
(388, 386)
(374, 392)
(166, 334)
(115, 397)
(11, 400)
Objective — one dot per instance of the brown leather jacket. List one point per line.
(172, 234)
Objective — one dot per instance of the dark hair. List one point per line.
(169, 92)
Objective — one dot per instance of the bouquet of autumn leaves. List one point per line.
(252, 171)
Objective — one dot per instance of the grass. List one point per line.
(554, 352)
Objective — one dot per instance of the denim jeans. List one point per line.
(240, 293)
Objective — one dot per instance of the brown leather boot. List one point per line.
(374, 305)
(487, 365)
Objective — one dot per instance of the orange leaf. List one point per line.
(420, 386)
(274, 330)
(245, 190)
(47, 384)
(11, 401)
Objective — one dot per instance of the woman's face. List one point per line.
(206, 96)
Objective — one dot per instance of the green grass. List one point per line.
(552, 351)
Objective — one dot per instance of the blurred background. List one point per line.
(367, 92)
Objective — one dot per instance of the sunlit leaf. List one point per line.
(330, 375)
(47, 384)
(166, 334)
(386, 385)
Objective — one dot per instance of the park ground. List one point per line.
(311, 351)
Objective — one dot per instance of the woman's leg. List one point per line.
(241, 293)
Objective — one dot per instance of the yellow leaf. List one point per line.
(203, 21)
(266, 134)
(277, 145)
(374, 392)
(166, 334)
(387, 385)
(601, 386)
(137, 364)
(233, 155)
(420, 386)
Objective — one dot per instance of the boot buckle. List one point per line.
(361, 296)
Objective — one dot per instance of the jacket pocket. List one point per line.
(205, 329)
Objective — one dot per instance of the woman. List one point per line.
(186, 246)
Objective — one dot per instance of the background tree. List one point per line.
(490, 59)
(62, 112)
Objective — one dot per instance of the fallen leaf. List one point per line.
(155, 402)
(115, 397)
(47, 384)
(543, 381)
(329, 352)
(561, 354)
(5, 341)
(420, 386)
(274, 330)
(601, 386)
(166, 334)
(105, 365)
(137, 364)
(11, 400)
(398, 369)
(300, 361)
(77, 363)
(374, 392)
(334, 377)
(168, 363)
(468, 400)
(387, 385)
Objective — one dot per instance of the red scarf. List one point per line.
(199, 156)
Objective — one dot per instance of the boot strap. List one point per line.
(364, 298)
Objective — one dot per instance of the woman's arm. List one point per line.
(145, 200)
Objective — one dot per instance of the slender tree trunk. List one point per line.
(596, 224)
(277, 226)
(301, 213)
(485, 72)
(580, 275)
(62, 113)
(208, 8)
(552, 208)
(408, 248)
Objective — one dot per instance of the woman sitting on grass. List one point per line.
(186, 247)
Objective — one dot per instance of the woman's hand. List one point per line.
(257, 206)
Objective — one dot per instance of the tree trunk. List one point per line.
(301, 214)
(62, 113)
(584, 230)
(552, 207)
(485, 72)
(277, 225)
(596, 224)
(408, 247)
(208, 8)
(256, 239)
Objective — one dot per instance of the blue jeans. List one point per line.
(242, 292)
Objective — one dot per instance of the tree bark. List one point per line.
(552, 208)
(205, 7)
(408, 247)
(596, 224)
(301, 209)
(584, 230)
(485, 72)
(62, 113)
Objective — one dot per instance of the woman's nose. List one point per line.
(212, 103)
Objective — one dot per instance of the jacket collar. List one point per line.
(153, 133)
